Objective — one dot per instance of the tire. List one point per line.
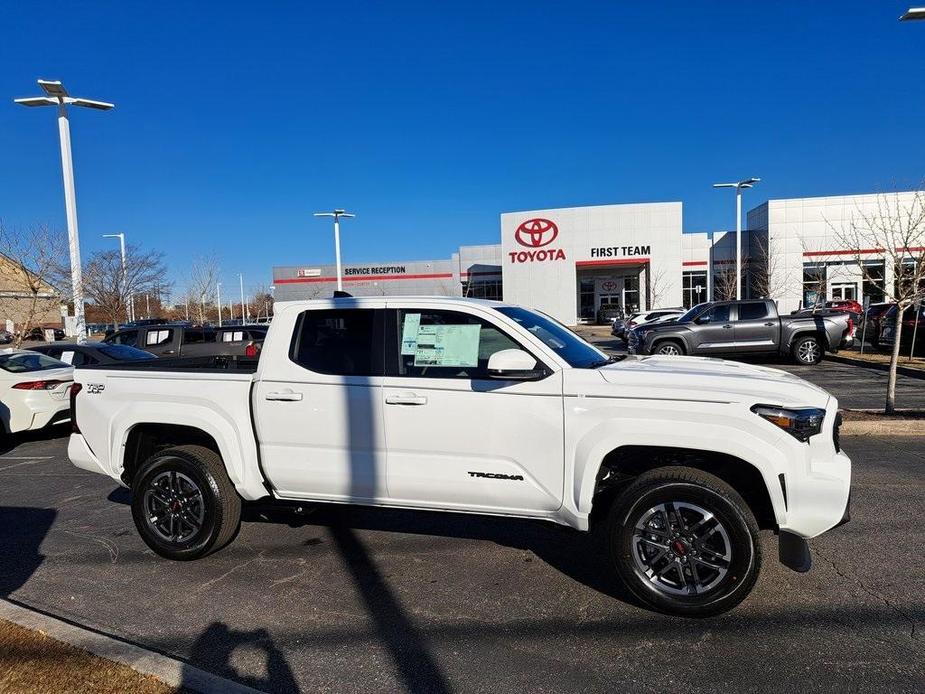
(807, 350)
(671, 348)
(183, 504)
(663, 578)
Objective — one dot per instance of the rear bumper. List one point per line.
(81, 456)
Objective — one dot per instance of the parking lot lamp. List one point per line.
(337, 214)
(218, 300)
(130, 306)
(747, 183)
(56, 95)
(241, 279)
(912, 14)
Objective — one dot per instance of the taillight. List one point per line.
(38, 385)
(76, 388)
(252, 349)
(850, 328)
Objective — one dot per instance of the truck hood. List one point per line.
(707, 379)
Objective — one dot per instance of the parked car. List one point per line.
(6, 337)
(875, 317)
(468, 405)
(179, 340)
(89, 353)
(911, 317)
(608, 313)
(642, 318)
(746, 327)
(33, 390)
(38, 333)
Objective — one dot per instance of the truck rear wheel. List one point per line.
(684, 542)
(807, 350)
(183, 504)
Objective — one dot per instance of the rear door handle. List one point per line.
(170, 351)
(769, 325)
(405, 399)
(727, 326)
(284, 395)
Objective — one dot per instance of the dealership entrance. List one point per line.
(615, 284)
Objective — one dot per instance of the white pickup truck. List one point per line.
(478, 407)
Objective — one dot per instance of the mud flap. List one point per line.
(794, 553)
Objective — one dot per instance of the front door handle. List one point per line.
(405, 399)
(727, 327)
(170, 351)
(284, 395)
(769, 325)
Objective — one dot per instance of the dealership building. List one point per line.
(569, 262)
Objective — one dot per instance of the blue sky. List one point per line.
(235, 121)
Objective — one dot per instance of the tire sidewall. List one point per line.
(742, 571)
(665, 343)
(202, 541)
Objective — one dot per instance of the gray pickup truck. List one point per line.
(174, 340)
(746, 327)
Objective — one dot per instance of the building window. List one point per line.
(814, 278)
(872, 283)
(631, 294)
(586, 299)
(488, 289)
(695, 288)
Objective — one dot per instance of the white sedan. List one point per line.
(34, 390)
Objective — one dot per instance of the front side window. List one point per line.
(339, 342)
(753, 311)
(567, 345)
(717, 314)
(158, 337)
(127, 337)
(447, 344)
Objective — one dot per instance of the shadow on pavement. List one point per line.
(215, 647)
(22, 530)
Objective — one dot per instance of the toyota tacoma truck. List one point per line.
(746, 327)
(462, 405)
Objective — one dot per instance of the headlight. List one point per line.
(800, 424)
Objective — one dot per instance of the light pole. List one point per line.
(56, 95)
(130, 305)
(241, 279)
(747, 183)
(337, 214)
(218, 300)
(912, 14)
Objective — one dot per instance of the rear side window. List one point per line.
(193, 336)
(339, 342)
(753, 311)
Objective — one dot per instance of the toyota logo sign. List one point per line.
(536, 233)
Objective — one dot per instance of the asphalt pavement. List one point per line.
(350, 599)
(856, 387)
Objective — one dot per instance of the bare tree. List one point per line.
(110, 290)
(262, 303)
(767, 280)
(33, 263)
(724, 282)
(895, 228)
(202, 280)
(815, 276)
(657, 287)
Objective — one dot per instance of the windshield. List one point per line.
(124, 353)
(693, 313)
(33, 361)
(578, 353)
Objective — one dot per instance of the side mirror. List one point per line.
(513, 365)
(703, 319)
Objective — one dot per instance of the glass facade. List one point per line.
(694, 288)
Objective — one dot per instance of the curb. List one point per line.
(904, 370)
(170, 671)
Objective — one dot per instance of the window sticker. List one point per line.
(409, 333)
(67, 357)
(447, 345)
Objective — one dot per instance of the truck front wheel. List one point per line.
(183, 504)
(684, 542)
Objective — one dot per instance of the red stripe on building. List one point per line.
(691, 263)
(365, 278)
(621, 261)
(863, 251)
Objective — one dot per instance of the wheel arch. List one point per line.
(621, 465)
(685, 349)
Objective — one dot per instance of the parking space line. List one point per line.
(31, 461)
